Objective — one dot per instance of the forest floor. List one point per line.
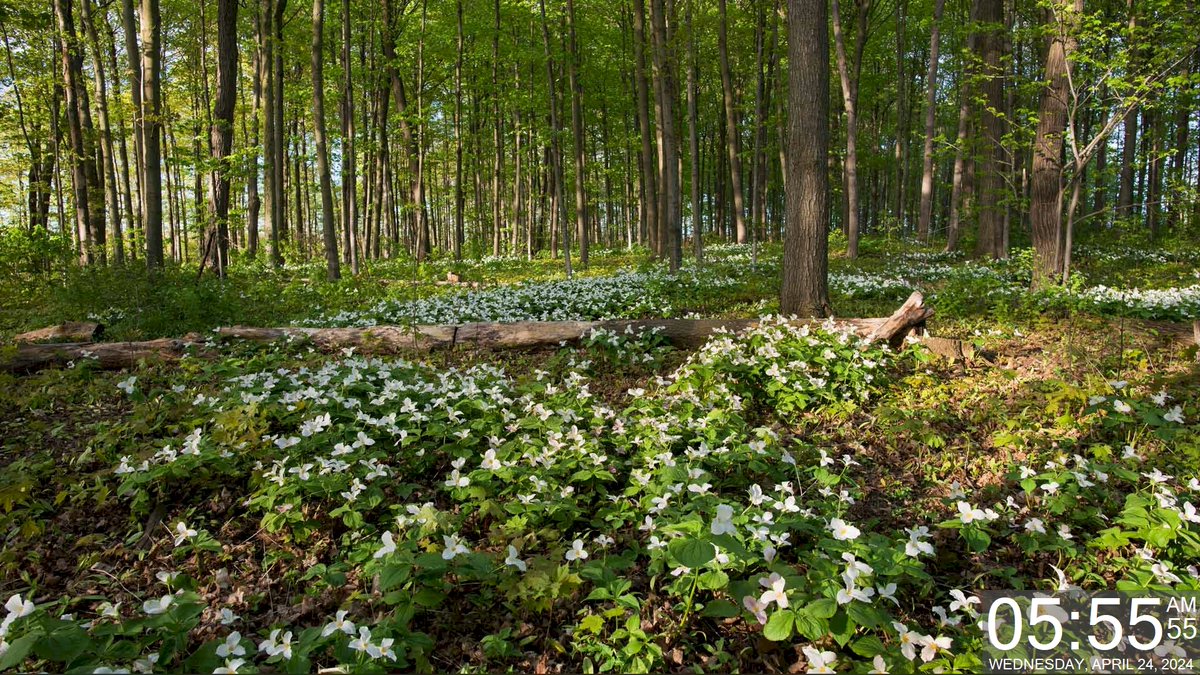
(774, 501)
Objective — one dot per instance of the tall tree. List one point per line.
(581, 207)
(925, 212)
(72, 74)
(805, 287)
(107, 172)
(328, 229)
(672, 225)
(1045, 204)
(848, 75)
(151, 131)
(349, 162)
(990, 240)
(221, 131)
(556, 169)
(732, 134)
(648, 213)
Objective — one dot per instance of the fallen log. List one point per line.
(71, 331)
(684, 333)
(107, 355)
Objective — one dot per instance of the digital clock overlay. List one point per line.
(1079, 632)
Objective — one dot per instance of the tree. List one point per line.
(732, 135)
(990, 240)
(328, 229)
(1045, 206)
(556, 168)
(849, 77)
(151, 131)
(581, 208)
(671, 204)
(648, 213)
(805, 287)
(79, 159)
(925, 214)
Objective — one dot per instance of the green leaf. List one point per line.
(721, 609)
(713, 580)
(18, 650)
(868, 647)
(393, 575)
(693, 553)
(977, 540)
(64, 644)
(810, 626)
(779, 626)
(592, 623)
(823, 608)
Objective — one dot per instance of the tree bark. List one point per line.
(1046, 181)
(349, 162)
(925, 215)
(560, 211)
(106, 157)
(805, 287)
(732, 135)
(672, 225)
(328, 229)
(990, 241)
(221, 130)
(581, 205)
(693, 93)
(73, 86)
(151, 131)
(648, 212)
(849, 77)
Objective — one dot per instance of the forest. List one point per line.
(599, 335)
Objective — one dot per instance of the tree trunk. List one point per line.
(581, 206)
(1129, 140)
(732, 136)
(459, 233)
(151, 127)
(258, 84)
(990, 242)
(925, 215)
(72, 75)
(693, 93)
(849, 77)
(349, 166)
(107, 173)
(672, 225)
(221, 131)
(560, 211)
(805, 287)
(1046, 182)
(648, 212)
(328, 229)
